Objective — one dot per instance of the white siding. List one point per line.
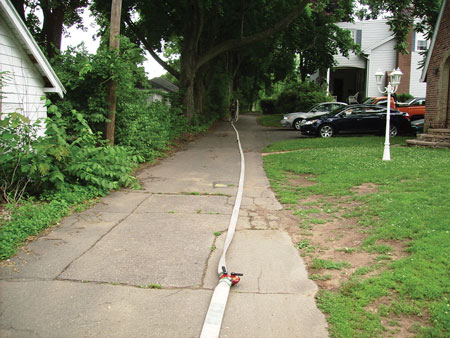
(377, 43)
(384, 58)
(417, 88)
(353, 61)
(373, 31)
(23, 86)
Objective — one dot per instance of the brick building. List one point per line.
(437, 73)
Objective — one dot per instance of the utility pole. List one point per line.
(114, 43)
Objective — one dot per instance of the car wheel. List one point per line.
(326, 131)
(394, 130)
(297, 123)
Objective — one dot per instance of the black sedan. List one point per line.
(356, 119)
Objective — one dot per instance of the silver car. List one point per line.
(293, 120)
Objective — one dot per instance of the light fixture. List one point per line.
(394, 81)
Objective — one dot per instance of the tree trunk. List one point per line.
(187, 88)
(189, 56)
(52, 28)
(19, 6)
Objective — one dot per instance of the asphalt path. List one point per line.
(143, 263)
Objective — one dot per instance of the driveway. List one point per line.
(143, 263)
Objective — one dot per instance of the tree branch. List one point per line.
(238, 43)
(149, 49)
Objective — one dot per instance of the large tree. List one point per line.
(206, 29)
(56, 15)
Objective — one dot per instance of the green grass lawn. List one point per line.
(411, 206)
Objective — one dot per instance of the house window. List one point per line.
(421, 45)
(356, 35)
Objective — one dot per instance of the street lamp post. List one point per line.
(394, 81)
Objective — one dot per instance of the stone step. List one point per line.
(439, 131)
(428, 143)
(433, 136)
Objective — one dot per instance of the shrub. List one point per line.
(300, 96)
(31, 165)
(268, 106)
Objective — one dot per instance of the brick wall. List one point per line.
(404, 63)
(437, 102)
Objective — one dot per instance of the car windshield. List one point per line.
(317, 107)
(338, 110)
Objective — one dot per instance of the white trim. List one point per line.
(32, 47)
(433, 39)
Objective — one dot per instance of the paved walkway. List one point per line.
(90, 276)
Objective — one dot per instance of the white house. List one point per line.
(161, 88)
(355, 74)
(26, 74)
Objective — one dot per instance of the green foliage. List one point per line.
(60, 169)
(145, 128)
(31, 164)
(268, 106)
(217, 98)
(29, 217)
(86, 77)
(300, 96)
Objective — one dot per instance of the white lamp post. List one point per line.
(394, 81)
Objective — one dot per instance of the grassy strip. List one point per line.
(411, 205)
(29, 217)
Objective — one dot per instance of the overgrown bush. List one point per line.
(30, 165)
(300, 96)
(268, 106)
(144, 127)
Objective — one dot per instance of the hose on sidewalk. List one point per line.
(216, 310)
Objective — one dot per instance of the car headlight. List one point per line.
(285, 117)
(308, 122)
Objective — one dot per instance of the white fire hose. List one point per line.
(216, 310)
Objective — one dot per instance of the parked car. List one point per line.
(415, 107)
(380, 100)
(293, 120)
(357, 118)
(417, 126)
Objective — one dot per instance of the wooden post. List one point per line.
(114, 43)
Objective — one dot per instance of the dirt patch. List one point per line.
(325, 233)
(366, 188)
(304, 180)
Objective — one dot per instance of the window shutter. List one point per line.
(413, 47)
(359, 36)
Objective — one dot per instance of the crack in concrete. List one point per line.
(101, 237)
(258, 280)
(12, 328)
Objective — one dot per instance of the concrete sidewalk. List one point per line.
(91, 275)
